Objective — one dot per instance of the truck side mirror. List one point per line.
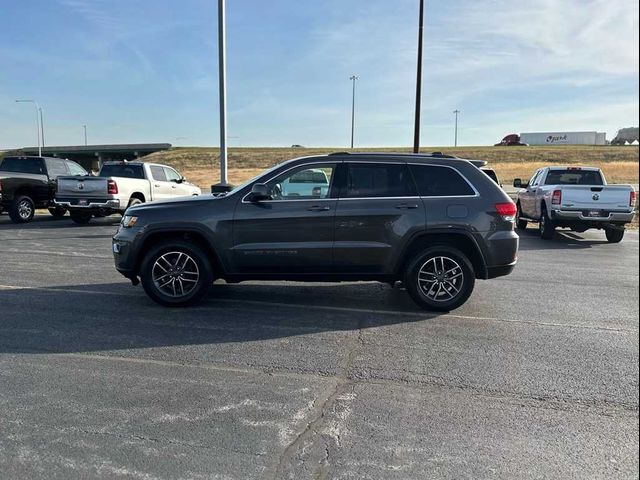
(259, 191)
(517, 183)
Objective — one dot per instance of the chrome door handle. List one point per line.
(406, 206)
(173, 186)
(319, 208)
(156, 185)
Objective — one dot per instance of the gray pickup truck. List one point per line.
(577, 198)
(120, 185)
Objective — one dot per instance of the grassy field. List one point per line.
(201, 165)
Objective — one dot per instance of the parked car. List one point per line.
(28, 183)
(577, 198)
(433, 222)
(120, 185)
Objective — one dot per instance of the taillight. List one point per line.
(507, 211)
(112, 187)
(556, 198)
(632, 197)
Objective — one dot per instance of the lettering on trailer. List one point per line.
(559, 138)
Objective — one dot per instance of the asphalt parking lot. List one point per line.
(535, 377)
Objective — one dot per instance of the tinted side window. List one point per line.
(56, 168)
(23, 165)
(158, 174)
(434, 181)
(378, 180)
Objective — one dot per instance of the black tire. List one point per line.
(520, 224)
(614, 235)
(22, 209)
(134, 201)
(417, 278)
(153, 269)
(546, 227)
(81, 218)
(57, 212)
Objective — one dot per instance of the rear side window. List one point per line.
(378, 180)
(56, 168)
(573, 177)
(158, 174)
(435, 181)
(23, 165)
(122, 170)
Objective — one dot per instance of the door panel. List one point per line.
(292, 231)
(377, 209)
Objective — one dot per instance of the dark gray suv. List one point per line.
(435, 223)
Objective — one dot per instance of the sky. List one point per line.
(146, 70)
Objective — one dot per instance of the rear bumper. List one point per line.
(94, 203)
(579, 216)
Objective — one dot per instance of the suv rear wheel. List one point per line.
(440, 278)
(176, 273)
(22, 209)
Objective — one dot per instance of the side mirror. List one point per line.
(259, 192)
(517, 182)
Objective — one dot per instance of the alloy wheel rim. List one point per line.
(24, 209)
(440, 279)
(175, 274)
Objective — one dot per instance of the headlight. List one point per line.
(129, 221)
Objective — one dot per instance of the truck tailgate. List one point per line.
(610, 197)
(82, 186)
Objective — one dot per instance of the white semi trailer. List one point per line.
(564, 138)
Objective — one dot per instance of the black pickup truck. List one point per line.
(27, 183)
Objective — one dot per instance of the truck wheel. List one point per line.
(547, 227)
(81, 218)
(440, 278)
(57, 212)
(614, 235)
(134, 201)
(22, 209)
(521, 224)
(176, 273)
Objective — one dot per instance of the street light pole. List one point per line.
(456, 112)
(37, 107)
(85, 134)
(353, 78)
(416, 128)
(41, 126)
(222, 75)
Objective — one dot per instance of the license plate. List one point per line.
(595, 213)
(83, 201)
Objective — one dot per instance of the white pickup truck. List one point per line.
(118, 186)
(577, 198)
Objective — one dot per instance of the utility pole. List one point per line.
(416, 128)
(222, 75)
(353, 78)
(38, 129)
(41, 126)
(85, 134)
(456, 112)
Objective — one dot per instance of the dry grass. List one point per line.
(200, 165)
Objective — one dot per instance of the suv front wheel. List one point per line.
(176, 273)
(440, 278)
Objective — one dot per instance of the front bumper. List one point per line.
(124, 245)
(582, 216)
(97, 203)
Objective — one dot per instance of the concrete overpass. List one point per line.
(92, 156)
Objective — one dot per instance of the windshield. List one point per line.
(574, 177)
(250, 181)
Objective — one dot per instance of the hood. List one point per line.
(186, 201)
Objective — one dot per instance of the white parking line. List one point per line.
(420, 315)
